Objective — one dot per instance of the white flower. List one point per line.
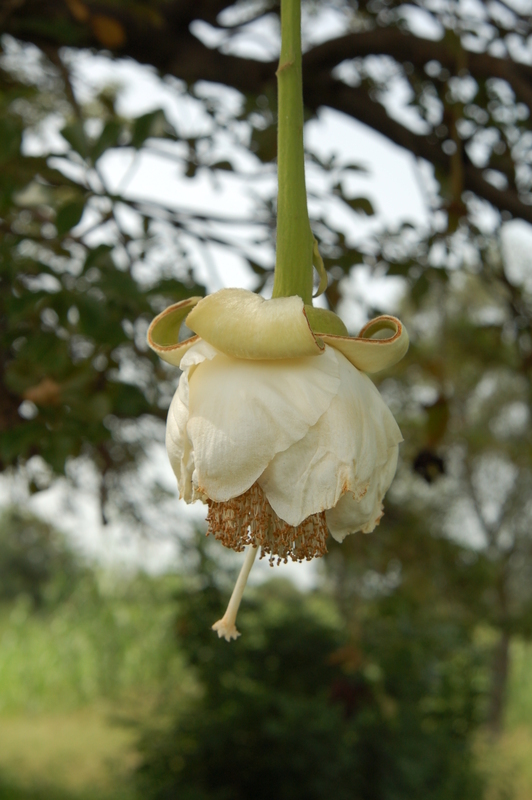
(309, 431)
(275, 426)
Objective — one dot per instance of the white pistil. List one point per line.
(226, 626)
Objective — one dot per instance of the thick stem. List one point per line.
(226, 626)
(293, 266)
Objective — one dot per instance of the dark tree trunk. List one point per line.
(499, 681)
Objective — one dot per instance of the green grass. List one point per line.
(508, 761)
(78, 755)
(519, 708)
(110, 638)
(73, 676)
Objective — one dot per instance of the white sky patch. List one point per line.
(422, 23)
(516, 239)
(391, 179)
(323, 24)
(363, 288)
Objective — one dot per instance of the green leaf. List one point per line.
(68, 216)
(74, 134)
(264, 144)
(257, 268)
(10, 138)
(360, 204)
(225, 165)
(99, 257)
(399, 268)
(355, 168)
(420, 288)
(18, 441)
(92, 408)
(127, 400)
(108, 138)
(154, 124)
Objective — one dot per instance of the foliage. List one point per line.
(11, 791)
(519, 712)
(298, 705)
(402, 674)
(34, 560)
(463, 71)
(76, 251)
(463, 398)
(74, 311)
(110, 640)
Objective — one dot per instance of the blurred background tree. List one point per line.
(85, 264)
(466, 113)
(380, 703)
(34, 560)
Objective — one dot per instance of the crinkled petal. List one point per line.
(346, 451)
(178, 444)
(200, 351)
(241, 413)
(352, 514)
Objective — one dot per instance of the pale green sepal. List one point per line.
(319, 266)
(163, 333)
(324, 321)
(372, 355)
(242, 324)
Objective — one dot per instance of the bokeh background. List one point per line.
(137, 168)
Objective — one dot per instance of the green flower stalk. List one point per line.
(293, 266)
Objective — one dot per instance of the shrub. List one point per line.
(298, 709)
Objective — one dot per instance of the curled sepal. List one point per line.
(368, 354)
(163, 333)
(242, 324)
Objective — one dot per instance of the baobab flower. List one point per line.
(276, 427)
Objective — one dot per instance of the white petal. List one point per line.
(351, 515)
(197, 353)
(242, 412)
(347, 450)
(178, 444)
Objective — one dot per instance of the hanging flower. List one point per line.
(275, 426)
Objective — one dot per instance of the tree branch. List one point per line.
(163, 39)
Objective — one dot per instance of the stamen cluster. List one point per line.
(249, 519)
